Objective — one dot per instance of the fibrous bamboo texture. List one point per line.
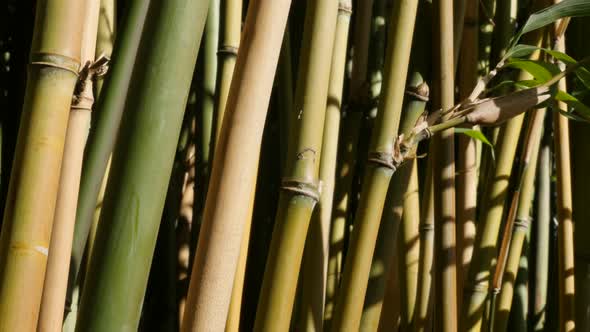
(222, 228)
(32, 193)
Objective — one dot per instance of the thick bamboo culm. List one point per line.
(517, 223)
(32, 193)
(467, 171)
(445, 276)
(564, 207)
(222, 229)
(316, 254)
(58, 261)
(300, 184)
(133, 207)
(378, 172)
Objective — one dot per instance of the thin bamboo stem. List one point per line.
(33, 188)
(476, 287)
(564, 211)
(541, 229)
(132, 211)
(315, 264)
(104, 129)
(422, 320)
(445, 276)
(300, 185)
(517, 224)
(377, 174)
(467, 168)
(348, 152)
(222, 229)
(229, 42)
(60, 247)
(105, 37)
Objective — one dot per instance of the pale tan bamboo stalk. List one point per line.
(58, 261)
(565, 235)
(30, 204)
(235, 306)
(222, 228)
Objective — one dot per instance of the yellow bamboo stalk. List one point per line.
(222, 228)
(28, 218)
(565, 235)
(58, 262)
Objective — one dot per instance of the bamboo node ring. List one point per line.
(522, 222)
(227, 50)
(306, 189)
(383, 159)
(344, 7)
(56, 61)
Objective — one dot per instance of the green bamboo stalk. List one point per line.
(401, 210)
(299, 188)
(517, 224)
(222, 229)
(316, 252)
(445, 276)
(476, 287)
(122, 254)
(205, 77)
(229, 42)
(348, 151)
(519, 313)
(467, 170)
(32, 193)
(60, 247)
(422, 319)
(579, 47)
(541, 229)
(378, 172)
(103, 132)
(504, 28)
(564, 210)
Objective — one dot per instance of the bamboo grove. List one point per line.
(278, 165)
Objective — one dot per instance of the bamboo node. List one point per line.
(522, 222)
(227, 50)
(82, 98)
(298, 187)
(426, 227)
(420, 92)
(345, 7)
(383, 159)
(55, 61)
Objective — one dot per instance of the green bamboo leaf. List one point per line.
(574, 103)
(520, 51)
(566, 8)
(541, 71)
(478, 135)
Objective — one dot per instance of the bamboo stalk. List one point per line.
(467, 170)
(32, 193)
(578, 46)
(348, 151)
(422, 320)
(122, 255)
(476, 287)
(105, 37)
(60, 247)
(517, 224)
(402, 208)
(564, 210)
(541, 229)
(299, 188)
(102, 135)
(445, 276)
(316, 252)
(222, 228)
(229, 42)
(378, 172)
